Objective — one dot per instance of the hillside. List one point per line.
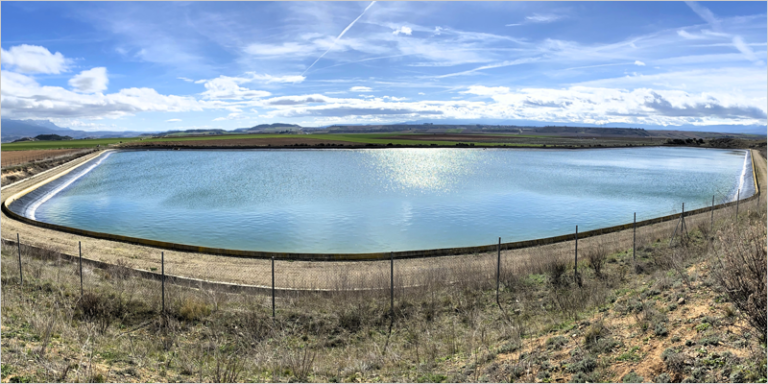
(11, 130)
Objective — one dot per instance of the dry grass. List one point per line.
(449, 328)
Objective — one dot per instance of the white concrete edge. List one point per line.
(46, 171)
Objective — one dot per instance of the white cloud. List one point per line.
(486, 91)
(276, 79)
(24, 98)
(90, 81)
(225, 87)
(738, 42)
(296, 100)
(173, 120)
(188, 80)
(543, 18)
(421, 93)
(684, 34)
(231, 116)
(274, 50)
(404, 30)
(34, 59)
(361, 89)
(639, 63)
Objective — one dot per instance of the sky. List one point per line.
(151, 66)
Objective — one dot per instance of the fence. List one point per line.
(273, 278)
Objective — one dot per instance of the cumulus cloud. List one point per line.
(34, 59)
(361, 89)
(24, 98)
(90, 81)
(639, 63)
(225, 87)
(404, 30)
(173, 120)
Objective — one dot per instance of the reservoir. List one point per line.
(378, 200)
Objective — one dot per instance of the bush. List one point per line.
(663, 378)
(555, 271)
(596, 258)
(632, 377)
(556, 342)
(192, 309)
(740, 268)
(585, 365)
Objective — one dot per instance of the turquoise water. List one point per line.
(372, 200)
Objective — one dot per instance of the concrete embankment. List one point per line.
(253, 269)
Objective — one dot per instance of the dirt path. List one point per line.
(330, 275)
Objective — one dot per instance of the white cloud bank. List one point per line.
(34, 59)
(90, 81)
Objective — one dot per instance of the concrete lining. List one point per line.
(342, 256)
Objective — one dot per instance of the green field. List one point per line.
(30, 145)
(360, 138)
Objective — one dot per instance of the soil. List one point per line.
(10, 158)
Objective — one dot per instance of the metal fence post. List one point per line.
(634, 235)
(498, 270)
(712, 214)
(273, 287)
(683, 227)
(576, 258)
(21, 274)
(392, 285)
(162, 278)
(80, 250)
(738, 196)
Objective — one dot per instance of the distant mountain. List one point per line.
(747, 129)
(276, 127)
(190, 132)
(11, 130)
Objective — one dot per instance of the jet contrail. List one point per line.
(339, 37)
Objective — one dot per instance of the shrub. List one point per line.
(587, 364)
(555, 271)
(663, 378)
(596, 258)
(740, 268)
(556, 342)
(192, 309)
(632, 377)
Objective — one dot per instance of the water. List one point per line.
(374, 200)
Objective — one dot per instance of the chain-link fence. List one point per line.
(275, 283)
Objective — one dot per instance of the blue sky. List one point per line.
(156, 66)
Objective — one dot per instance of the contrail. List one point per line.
(339, 37)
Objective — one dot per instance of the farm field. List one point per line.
(441, 139)
(63, 144)
(22, 157)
